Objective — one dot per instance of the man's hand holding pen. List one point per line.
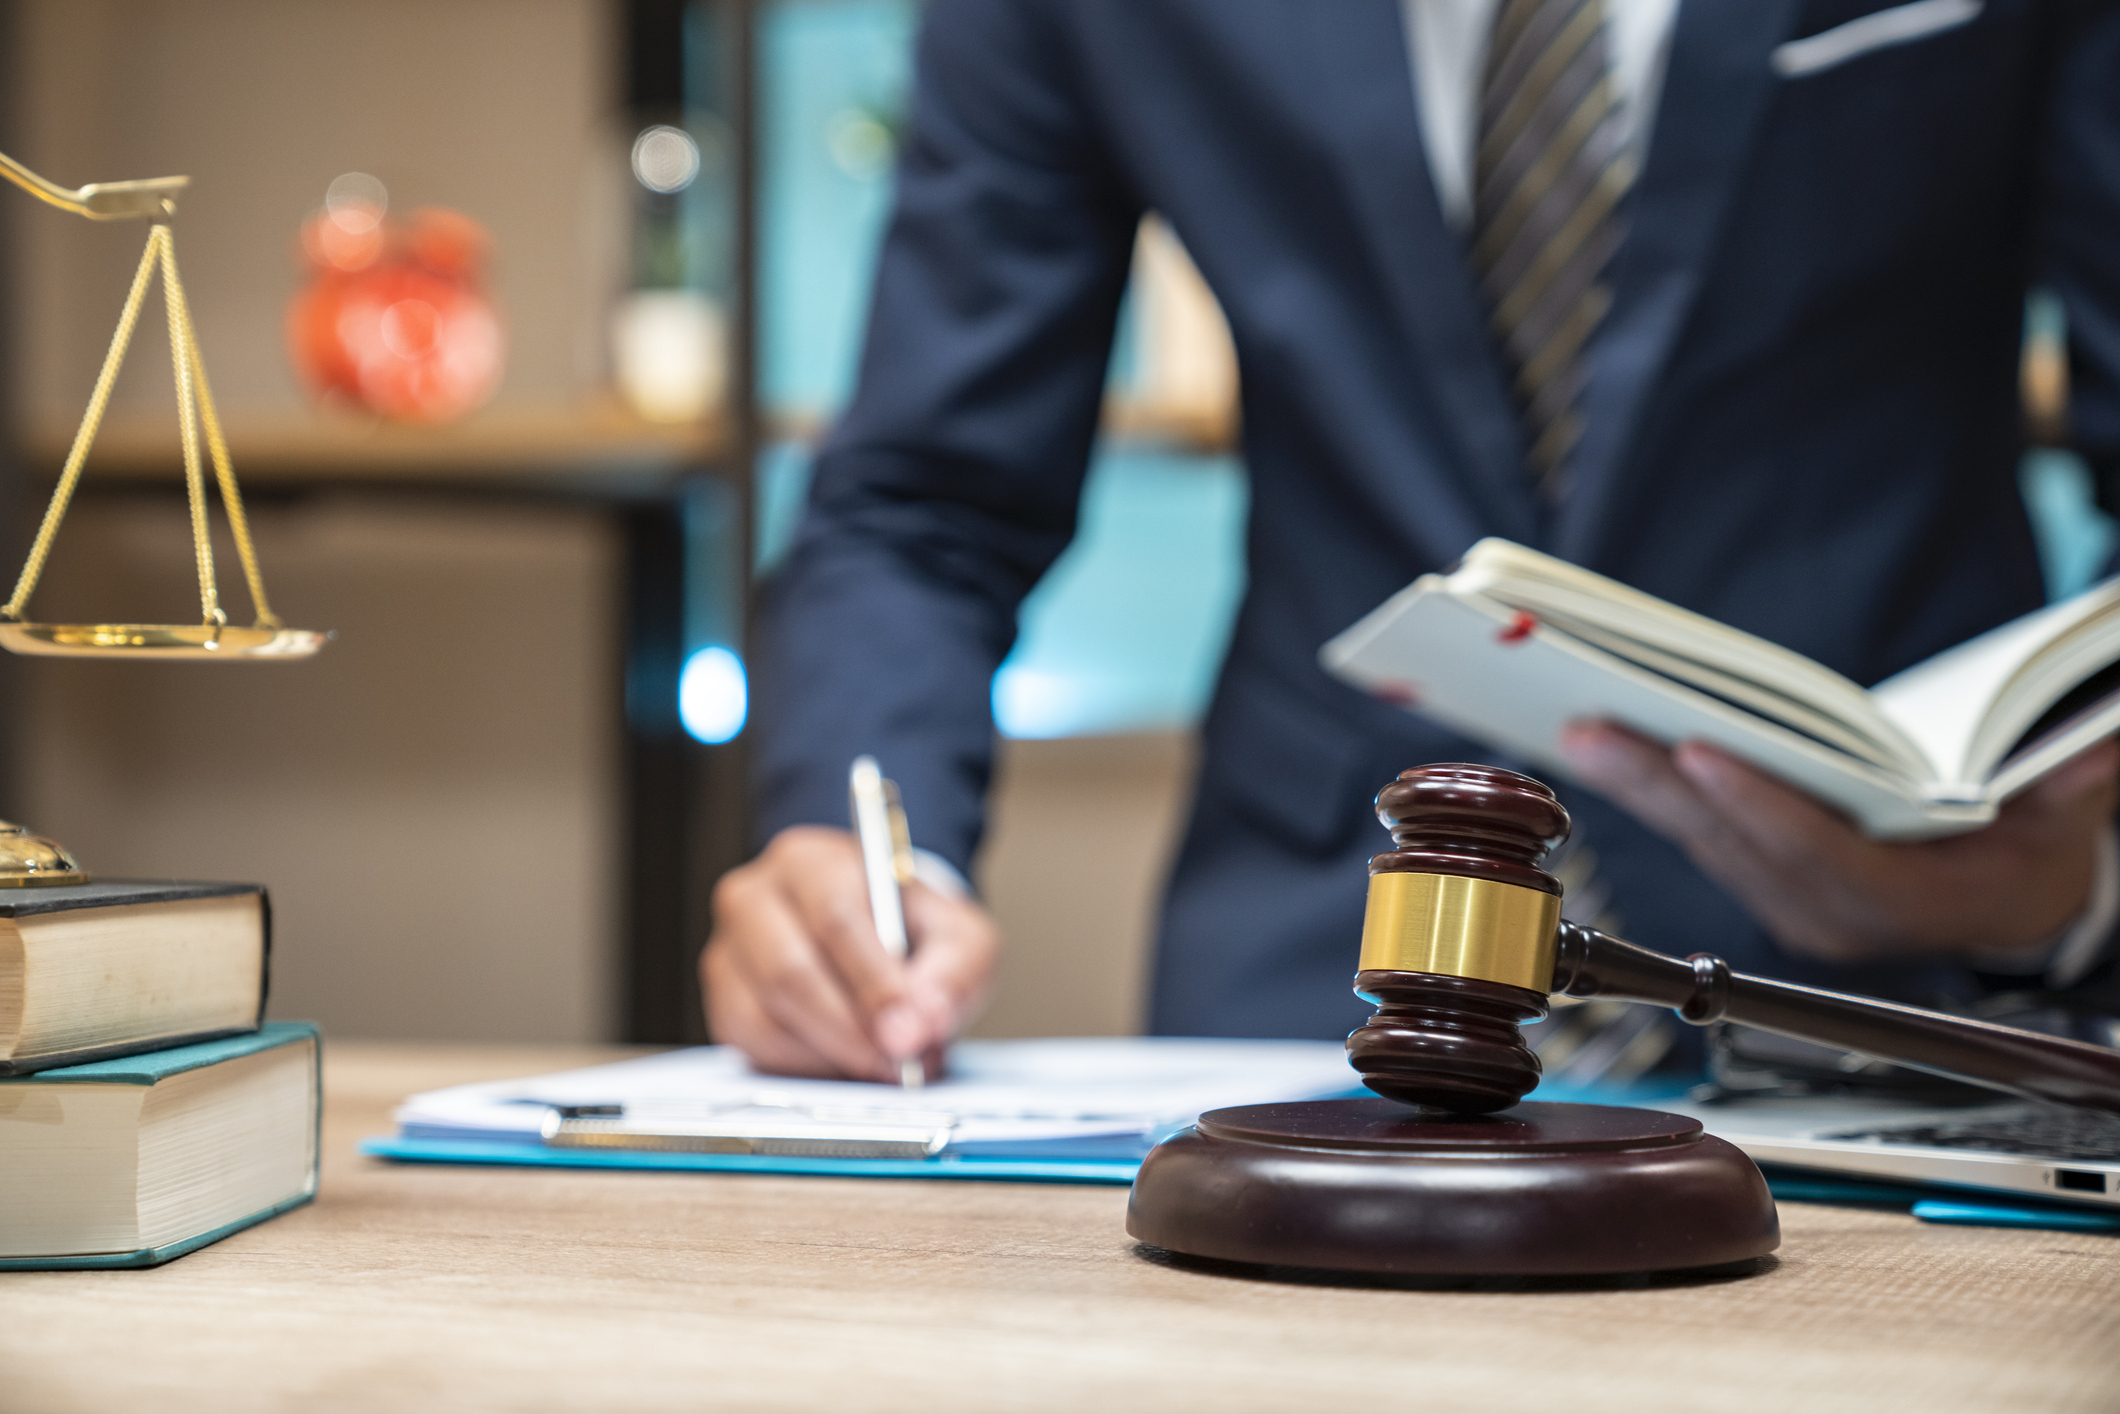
(796, 976)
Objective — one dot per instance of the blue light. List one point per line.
(1034, 705)
(713, 696)
(1126, 632)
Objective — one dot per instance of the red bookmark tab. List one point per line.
(1517, 629)
(1398, 694)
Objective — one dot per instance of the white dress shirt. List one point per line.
(1448, 44)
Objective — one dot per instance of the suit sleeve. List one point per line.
(951, 484)
(2082, 228)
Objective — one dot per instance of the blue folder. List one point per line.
(984, 1167)
(1116, 1161)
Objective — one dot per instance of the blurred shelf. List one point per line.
(527, 443)
(1203, 431)
(1188, 427)
(561, 446)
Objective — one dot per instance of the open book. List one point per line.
(1514, 645)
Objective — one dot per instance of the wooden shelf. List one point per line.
(524, 443)
(1181, 426)
(502, 445)
(1207, 431)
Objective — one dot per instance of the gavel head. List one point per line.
(1458, 943)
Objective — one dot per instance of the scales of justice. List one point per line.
(27, 860)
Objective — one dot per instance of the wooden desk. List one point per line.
(465, 1288)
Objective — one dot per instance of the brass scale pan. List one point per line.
(206, 642)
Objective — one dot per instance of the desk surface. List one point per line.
(466, 1288)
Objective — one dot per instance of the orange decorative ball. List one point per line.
(395, 318)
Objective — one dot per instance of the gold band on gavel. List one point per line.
(1461, 928)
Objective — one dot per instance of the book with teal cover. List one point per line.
(147, 1069)
(152, 1256)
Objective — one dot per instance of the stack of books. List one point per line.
(146, 1109)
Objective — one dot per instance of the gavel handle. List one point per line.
(1704, 989)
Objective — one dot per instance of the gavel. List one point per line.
(1463, 942)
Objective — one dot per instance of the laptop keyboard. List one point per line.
(2048, 1134)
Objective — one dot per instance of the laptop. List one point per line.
(1799, 1105)
(2016, 1147)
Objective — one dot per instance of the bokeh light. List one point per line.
(665, 159)
(713, 696)
(861, 144)
(356, 202)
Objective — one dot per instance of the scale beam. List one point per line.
(152, 198)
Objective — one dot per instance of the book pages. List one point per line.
(1498, 676)
(1968, 705)
(1526, 579)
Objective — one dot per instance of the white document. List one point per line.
(997, 1092)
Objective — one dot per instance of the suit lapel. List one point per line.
(1716, 90)
(1365, 100)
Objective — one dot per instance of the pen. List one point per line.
(887, 859)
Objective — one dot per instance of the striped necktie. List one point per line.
(1549, 173)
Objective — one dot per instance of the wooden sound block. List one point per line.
(1371, 1185)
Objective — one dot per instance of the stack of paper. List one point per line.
(1085, 1108)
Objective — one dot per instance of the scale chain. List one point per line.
(225, 473)
(188, 420)
(91, 421)
(194, 406)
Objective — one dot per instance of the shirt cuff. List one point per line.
(940, 875)
(2065, 959)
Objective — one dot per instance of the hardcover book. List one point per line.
(110, 968)
(129, 1163)
(1513, 645)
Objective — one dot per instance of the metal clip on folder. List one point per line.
(785, 1131)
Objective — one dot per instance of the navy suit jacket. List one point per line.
(1802, 420)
